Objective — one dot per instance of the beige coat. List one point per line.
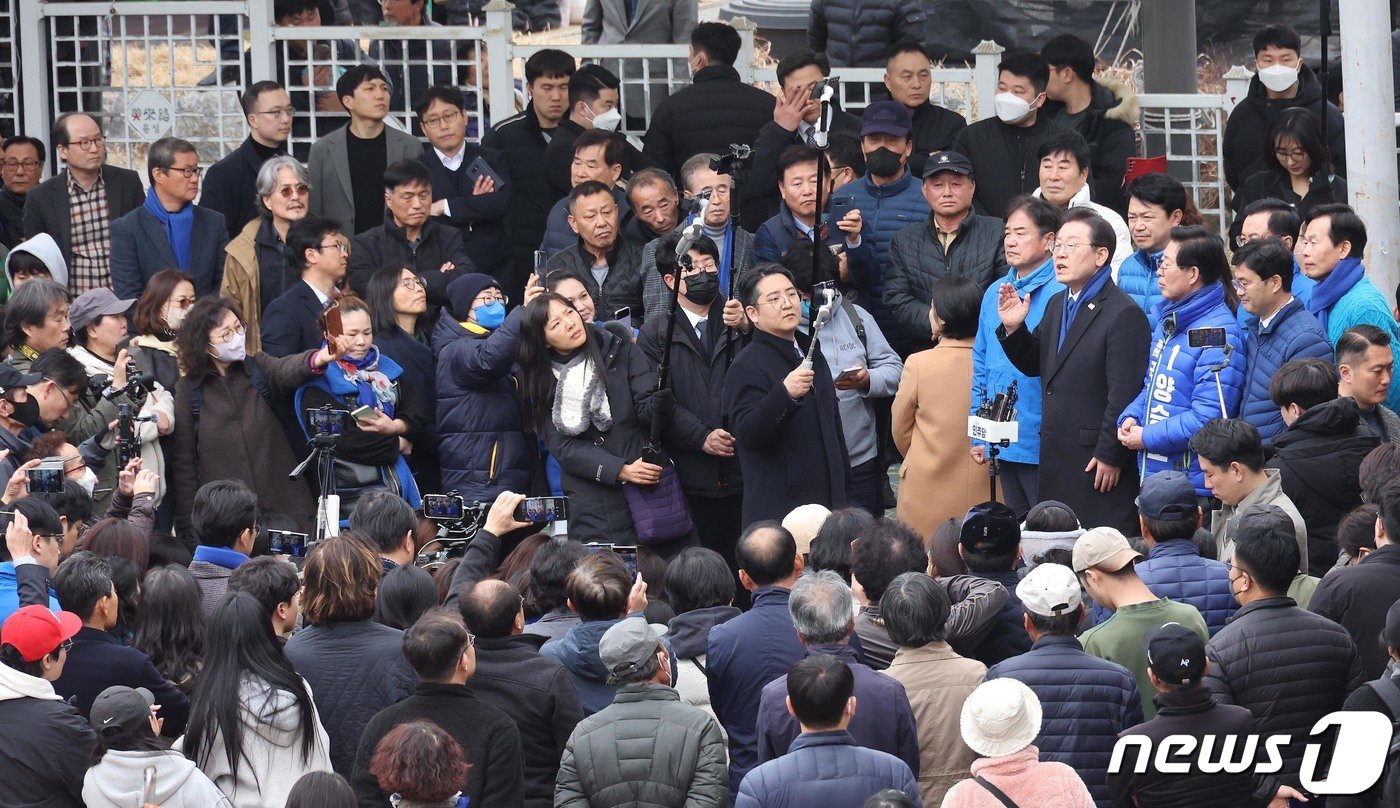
(938, 681)
(242, 283)
(938, 478)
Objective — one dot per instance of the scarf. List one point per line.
(723, 237)
(1089, 292)
(178, 227)
(373, 388)
(1332, 288)
(580, 400)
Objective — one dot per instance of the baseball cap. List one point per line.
(120, 709)
(1260, 519)
(1050, 590)
(886, 118)
(36, 632)
(803, 522)
(626, 646)
(1103, 547)
(990, 529)
(1167, 495)
(955, 162)
(1176, 653)
(93, 304)
(12, 379)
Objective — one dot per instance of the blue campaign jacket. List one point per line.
(1364, 303)
(884, 211)
(1293, 333)
(1179, 393)
(9, 591)
(992, 372)
(1085, 702)
(1301, 290)
(1173, 569)
(1138, 277)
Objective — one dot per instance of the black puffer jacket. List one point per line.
(387, 245)
(1108, 129)
(45, 745)
(1288, 666)
(935, 129)
(1004, 157)
(917, 260)
(1320, 459)
(859, 33)
(1244, 131)
(1358, 598)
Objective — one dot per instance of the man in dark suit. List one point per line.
(316, 247)
(229, 186)
(78, 206)
(791, 447)
(169, 231)
(1090, 352)
(21, 171)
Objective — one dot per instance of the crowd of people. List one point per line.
(268, 431)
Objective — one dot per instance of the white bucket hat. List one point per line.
(1001, 716)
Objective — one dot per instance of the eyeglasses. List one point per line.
(697, 267)
(187, 173)
(229, 333)
(1070, 247)
(777, 299)
(441, 120)
(1290, 156)
(66, 397)
(496, 298)
(1243, 239)
(182, 302)
(471, 642)
(1242, 286)
(339, 245)
(289, 191)
(278, 112)
(27, 165)
(66, 645)
(89, 144)
(412, 283)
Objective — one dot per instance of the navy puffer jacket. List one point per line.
(480, 431)
(884, 211)
(1293, 333)
(859, 33)
(1173, 569)
(1086, 702)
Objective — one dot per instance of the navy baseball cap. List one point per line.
(956, 162)
(886, 118)
(1167, 495)
(990, 529)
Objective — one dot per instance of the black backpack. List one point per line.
(1389, 785)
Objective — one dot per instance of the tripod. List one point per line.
(327, 502)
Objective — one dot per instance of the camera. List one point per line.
(328, 421)
(138, 384)
(739, 153)
(128, 445)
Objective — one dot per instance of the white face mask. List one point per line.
(607, 121)
(88, 481)
(1278, 77)
(174, 316)
(235, 350)
(1011, 108)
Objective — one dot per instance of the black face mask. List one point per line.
(701, 289)
(882, 162)
(27, 412)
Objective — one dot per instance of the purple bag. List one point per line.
(658, 511)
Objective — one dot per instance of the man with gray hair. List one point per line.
(169, 231)
(821, 612)
(648, 747)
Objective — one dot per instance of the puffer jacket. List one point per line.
(1085, 702)
(859, 33)
(1179, 393)
(1107, 127)
(688, 634)
(1293, 333)
(826, 768)
(484, 450)
(1137, 276)
(916, 260)
(649, 749)
(577, 651)
(116, 782)
(1173, 569)
(717, 109)
(1363, 303)
(884, 211)
(355, 669)
(622, 286)
(1249, 121)
(45, 744)
(1288, 666)
(993, 373)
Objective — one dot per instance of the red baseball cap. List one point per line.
(36, 632)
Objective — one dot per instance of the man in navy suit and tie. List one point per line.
(169, 231)
(318, 249)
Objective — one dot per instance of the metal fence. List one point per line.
(1190, 130)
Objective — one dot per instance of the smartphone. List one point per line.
(819, 89)
(480, 168)
(848, 373)
(541, 258)
(626, 552)
(624, 316)
(542, 509)
(47, 477)
(1206, 338)
(327, 421)
(288, 543)
(334, 328)
(444, 507)
(840, 206)
(364, 412)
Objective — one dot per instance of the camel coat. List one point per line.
(938, 478)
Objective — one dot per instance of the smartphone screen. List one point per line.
(444, 507)
(542, 509)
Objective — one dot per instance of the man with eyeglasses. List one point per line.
(476, 207)
(317, 249)
(229, 185)
(784, 415)
(79, 206)
(170, 231)
(21, 170)
(32, 557)
(1274, 218)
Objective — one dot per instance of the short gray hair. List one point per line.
(821, 608)
(266, 182)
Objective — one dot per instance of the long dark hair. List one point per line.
(1300, 125)
(1200, 248)
(380, 289)
(241, 645)
(536, 370)
(192, 340)
(171, 630)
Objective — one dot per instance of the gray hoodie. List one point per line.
(116, 782)
(842, 347)
(45, 249)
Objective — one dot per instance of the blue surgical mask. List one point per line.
(806, 310)
(491, 315)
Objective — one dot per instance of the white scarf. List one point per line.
(580, 399)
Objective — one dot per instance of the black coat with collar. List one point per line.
(98, 660)
(480, 219)
(1085, 384)
(559, 157)
(792, 453)
(696, 379)
(46, 209)
(289, 322)
(524, 143)
(760, 181)
(387, 245)
(1358, 598)
(141, 248)
(230, 186)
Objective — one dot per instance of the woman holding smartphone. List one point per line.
(386, 416)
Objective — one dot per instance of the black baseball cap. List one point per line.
(955, 162)
(1176, 653)
(990, 529)
(1167, 495)
(12, 379)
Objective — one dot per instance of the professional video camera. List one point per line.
(138, 385)
(458, 522)
(739, 153)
